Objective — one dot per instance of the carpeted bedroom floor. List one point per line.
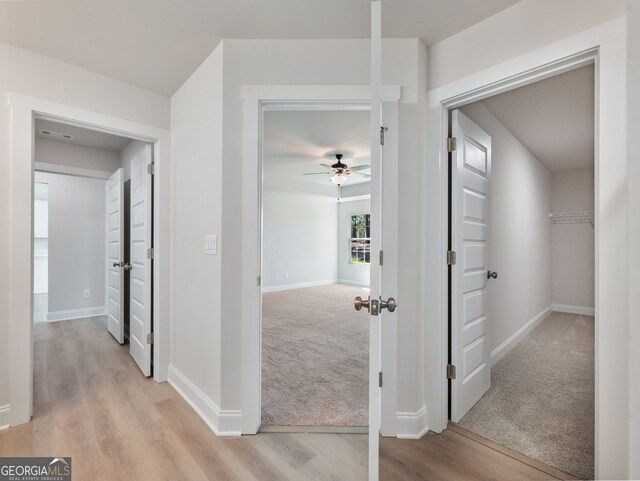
(315, 355)
(541, 401)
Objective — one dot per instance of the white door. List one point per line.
(470, 189)
(115, 252)
(140, 286)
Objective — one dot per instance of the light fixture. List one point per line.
(339, 178)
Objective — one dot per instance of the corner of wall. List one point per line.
(412, 425)
(5, 417)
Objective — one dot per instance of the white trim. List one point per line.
(24, 110)
(412, 425)
(354, 198)
(301, 285)
(347, 282)
(255, 99)
(604, 45)
(5, 417)
(580, 310)
(222, 423)
(54, 316)
(500, 351)
(71, 170)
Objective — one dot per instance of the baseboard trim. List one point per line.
(75, 314)
(580, 310)
(412, 425)
(353, 283)
(222, 423)
(5, 417)
(289, 287)
(499, 352)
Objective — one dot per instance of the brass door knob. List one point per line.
(359, 303)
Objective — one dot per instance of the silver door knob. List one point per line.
(126, 266)
(118, 264)
(389, 304)
(492, 275)
(359, 303)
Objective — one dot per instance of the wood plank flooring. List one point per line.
(91, 402)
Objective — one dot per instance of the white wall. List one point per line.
(76, 244)
(572, 245)
(520, 232)
(348, 273)
(300, 233)
(40, 243)
(63, 153)
(524, 27)
(206, 118)
(31, 74)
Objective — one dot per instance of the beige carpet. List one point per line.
(315, 354)
(541, 401)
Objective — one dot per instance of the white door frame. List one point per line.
(605, 47)
(24, 111)
(255, 99)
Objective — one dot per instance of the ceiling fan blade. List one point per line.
(317, 173)
(356, 168)
(326, 166)
(360, 173)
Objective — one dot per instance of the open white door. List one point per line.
(115, 253)
(470, 188)
(141, 252)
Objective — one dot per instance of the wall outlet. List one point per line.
(211, 244)
(87, 293)
(277, 276)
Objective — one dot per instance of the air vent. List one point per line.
(57, 135)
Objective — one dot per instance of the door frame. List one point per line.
(256, 98)
(605, 47)
(24, 110)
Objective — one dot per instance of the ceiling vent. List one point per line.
(57, 135)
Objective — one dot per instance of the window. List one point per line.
(360, 242)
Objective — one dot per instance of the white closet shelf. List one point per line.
(575, 217)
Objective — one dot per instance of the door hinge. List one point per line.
(150, 338)
(150, 253)
(451, 258)
(451, 371)
(382, 131)
(151, 169)
(258, 281)
(381, 257)
(452, 144)
(380, 379)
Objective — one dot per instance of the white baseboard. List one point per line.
(75, 314)
(580, 310)
(353, 283)
(222, 423)
(499, 352)
(412, 425)
(5, 417)
(288, 287)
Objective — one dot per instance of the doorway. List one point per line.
(316, 210)
(522, 282)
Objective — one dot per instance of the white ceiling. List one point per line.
(297, 142)
(553, 118)
(88, 138)
(157, 44)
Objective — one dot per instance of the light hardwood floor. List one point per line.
(92, 403)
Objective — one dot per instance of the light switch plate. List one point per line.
(211, 244)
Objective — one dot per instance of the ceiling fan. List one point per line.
(340, 171)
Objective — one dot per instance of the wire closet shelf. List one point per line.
(577, 217)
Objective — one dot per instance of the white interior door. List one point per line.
(470, 190)
(140, 287)
(115, 252)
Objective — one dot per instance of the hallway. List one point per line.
(91, 402)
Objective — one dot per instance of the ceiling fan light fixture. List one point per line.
(339, 178)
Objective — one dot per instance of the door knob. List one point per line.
(389, 305)
(492, 275)
(359, 303)
(126, 266)
(118, 264)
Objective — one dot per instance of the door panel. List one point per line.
(115, 243)
(470, 184)
(140, 274)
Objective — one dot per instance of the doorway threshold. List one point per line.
(315, 429)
